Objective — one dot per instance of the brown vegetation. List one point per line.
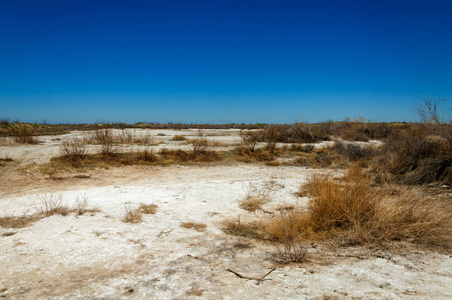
(354, 211)
(415, 156)
(252, 203)
(132, 215)
(49, 205)
(192, 225)
(148, 209)
(73, 151)
(179, 138)
(351, 211)
(23, 133)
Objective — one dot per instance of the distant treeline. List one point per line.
(357, 129)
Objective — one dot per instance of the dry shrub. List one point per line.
(249, 139)
(271, 135)
(23, 133)
(355, 133)
(124, 137)
(303, 133)
(4, 122)
(414, 156)
(145, 140)
(295, 133)
(326, 157)
(74, 151)
(148, 209)
(50, 204)
(105, 137)
(146, 155)
(53, 204)
(283, 232)
(192, 225)
(132, 215)
(81, 206)
(179, 138)
(353, 152)
(252, 203)
(202, 151)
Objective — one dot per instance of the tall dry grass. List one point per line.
(355, 212)
(23, 133)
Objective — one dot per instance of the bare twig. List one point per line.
(251, 278)
(163, 232)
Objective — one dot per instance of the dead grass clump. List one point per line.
(287, 225)
(252, 203)
(147, 155)
(244, 155)
(194, 292)
(81, 206)
(53, 204)
(132, 215)
(148, 209)
(192, 225)
(411, 217)
(340, 206)
(74, 151)
(199, 154)
(179, 138)
(247, 230)
(353, 211)
(18, 222)
(202, 151)
(274, 163)
(175, 155)
(284, 233)
(50, 204)
(363, 213)
(23, 133)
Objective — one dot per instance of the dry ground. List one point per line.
(97, 255)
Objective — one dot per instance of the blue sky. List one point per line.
(213, 61)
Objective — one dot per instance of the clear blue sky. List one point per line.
(214, 61)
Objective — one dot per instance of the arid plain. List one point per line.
(170, 228)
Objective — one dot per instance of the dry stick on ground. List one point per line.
(251, 278)
(163, 232)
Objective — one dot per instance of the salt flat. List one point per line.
(97, 255)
